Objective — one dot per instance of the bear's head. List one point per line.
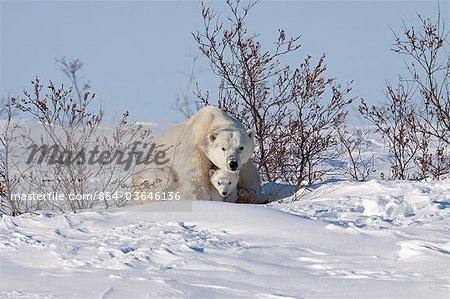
(229, 149)
(224, 181)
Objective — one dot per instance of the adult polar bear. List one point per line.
(209, 137)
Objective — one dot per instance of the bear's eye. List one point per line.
(229, 183)
(218, 183)
(241, 148)
(223, 148)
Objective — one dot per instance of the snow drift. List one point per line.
(343, 239)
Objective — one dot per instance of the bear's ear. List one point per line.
(212, 137)
(211, 172)
(251, 133)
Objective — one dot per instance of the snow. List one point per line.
(343, 239)
(338, 239)
(376, 204)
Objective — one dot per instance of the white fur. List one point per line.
(194, 146)
(223, 185)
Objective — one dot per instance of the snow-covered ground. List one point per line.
(343, 240)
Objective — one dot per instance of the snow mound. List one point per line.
(375, 204)
(371, 239)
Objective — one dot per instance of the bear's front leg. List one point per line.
(200, 175)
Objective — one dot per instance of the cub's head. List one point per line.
(224, 181)
(229, 149)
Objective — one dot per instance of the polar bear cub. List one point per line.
(225, 185)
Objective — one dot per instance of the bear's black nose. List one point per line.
(233, 165)
(224, 193)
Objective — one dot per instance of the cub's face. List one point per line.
(224, 181)
(229, 149)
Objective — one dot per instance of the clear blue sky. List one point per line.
(137, 55)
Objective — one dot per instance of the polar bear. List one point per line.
(208, 138)
(223, 185)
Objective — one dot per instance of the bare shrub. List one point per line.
(427, 58)
(395, 123)
(72, 126)
(295, 112)
(416, 119)
(11, 131)
(359, 164)
(426, 54)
